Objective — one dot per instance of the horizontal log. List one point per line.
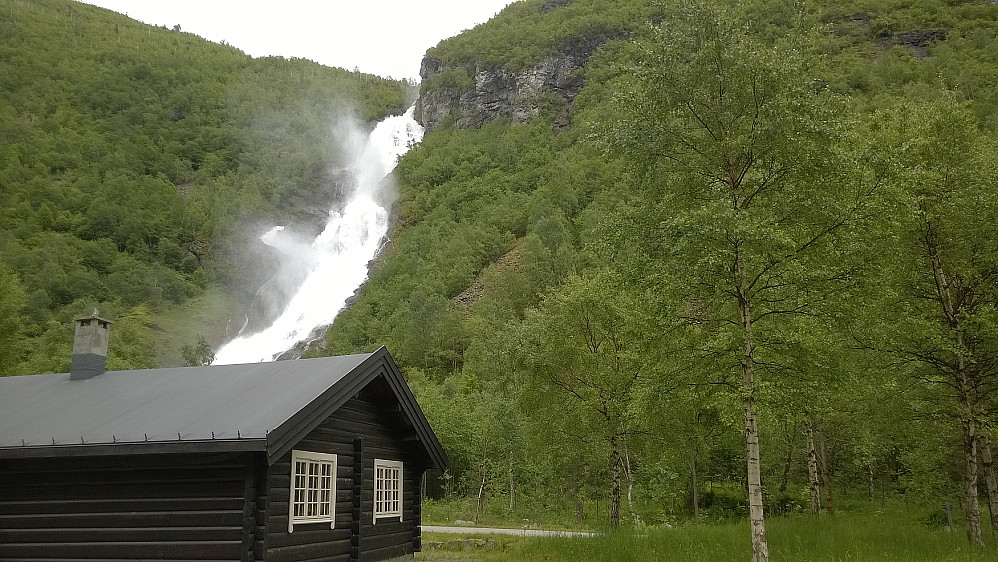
(109, 504)
(387, 526)
(149, 534)
(130, 474)
(278, 523)
(387, 539)
(375, 430)
(307, 533)
(387, 552)
(123, 490)
(200, 461)
(203, 550)
(207, 518)
(310, 551)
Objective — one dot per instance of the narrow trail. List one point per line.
(498, 531)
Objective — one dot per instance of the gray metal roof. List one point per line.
(260, 406)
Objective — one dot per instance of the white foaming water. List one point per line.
(337, 259)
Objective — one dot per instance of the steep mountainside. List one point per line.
(521, 218)
(131, 159)
(467, 81)
(667, 251)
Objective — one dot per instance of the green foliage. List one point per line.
(468, 198)
(895, 532)
(129, 154)
(498, 228)
(12, 300)
(529, 30)
(198, 354)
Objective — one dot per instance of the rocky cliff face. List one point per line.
(495, 91)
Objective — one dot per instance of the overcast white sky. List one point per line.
(384, 37)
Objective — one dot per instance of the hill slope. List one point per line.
(131, 156)
(521, 219)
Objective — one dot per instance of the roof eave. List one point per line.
(283, 439)
(409, 404)
(140, 448)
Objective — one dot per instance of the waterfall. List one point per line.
(337, 259)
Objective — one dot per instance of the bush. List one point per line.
(723, 503)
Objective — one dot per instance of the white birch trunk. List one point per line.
(615, 485)
(695, 491)
(814, 492)
(753, 461)
(512, 490)
(972, 506)
(963, 373)
(869, 481)
(990, 478)
(826, 476)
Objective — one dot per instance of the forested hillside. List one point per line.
(654, 262)
(132, 160)
(741, 260)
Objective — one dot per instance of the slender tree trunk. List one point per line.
(580, 513)
(481, 496)
(760, 546)
(814, 493)
(963, 373)
(615, 488)
(826, 476)
(972, 506)
(694, 489)
(988, 466)
(869, 481)
(788, 433)
(512, 490)
(630, 485)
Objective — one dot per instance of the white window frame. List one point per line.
(320, 461)
(391, 473)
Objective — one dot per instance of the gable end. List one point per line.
(380, 363)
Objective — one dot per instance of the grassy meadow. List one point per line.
(861, 533)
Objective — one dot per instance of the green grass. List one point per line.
(496, 514)
(895, 533)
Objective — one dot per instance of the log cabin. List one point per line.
(314, 459)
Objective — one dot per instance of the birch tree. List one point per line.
(738, 150)
(584, 343)
(949, 322)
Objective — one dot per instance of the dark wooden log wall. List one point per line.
(365, 428)
(139, 507)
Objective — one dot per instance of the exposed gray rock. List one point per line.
(554, 4)
(470, 544)
(499, 92)
(308, 211)
(316, 341)
(918, 40)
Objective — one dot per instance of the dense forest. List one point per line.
(748, 269)
(132, 158)
(754, 272)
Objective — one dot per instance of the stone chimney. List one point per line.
(89, 347)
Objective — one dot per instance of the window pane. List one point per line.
(387, 488)
(325, 488)
(313, 485)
